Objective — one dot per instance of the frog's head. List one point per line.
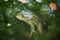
(24, 16)
(20, 16)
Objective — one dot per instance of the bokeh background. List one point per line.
(18, 29)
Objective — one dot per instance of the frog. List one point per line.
(32, 19)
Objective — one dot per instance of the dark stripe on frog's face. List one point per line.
(21, 17)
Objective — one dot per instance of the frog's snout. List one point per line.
(16, 16)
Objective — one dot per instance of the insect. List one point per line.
(32, 19)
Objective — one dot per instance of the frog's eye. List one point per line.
(22, 15)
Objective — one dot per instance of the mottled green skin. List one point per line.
(32, 22)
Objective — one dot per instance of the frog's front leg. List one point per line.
(32, 30)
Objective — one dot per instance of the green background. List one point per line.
(19, 29)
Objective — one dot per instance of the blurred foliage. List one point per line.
(19, 30)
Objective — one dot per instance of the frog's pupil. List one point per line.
(22, 16)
